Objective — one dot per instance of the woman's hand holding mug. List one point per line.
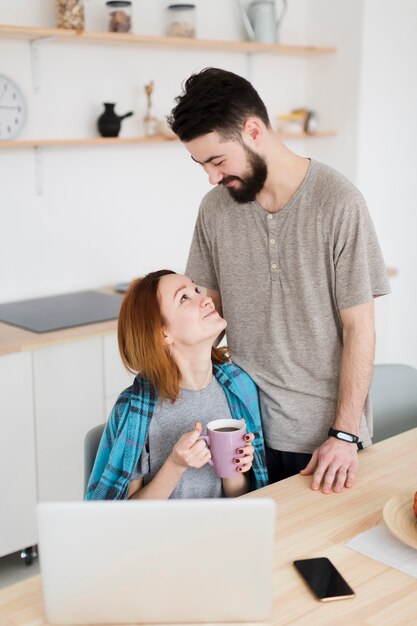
(228, 442)
(190, 450)
(245, 459)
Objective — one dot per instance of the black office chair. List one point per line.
(91, 442)
(394, 400)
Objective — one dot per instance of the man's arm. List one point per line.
(335, 462)
(357, 365)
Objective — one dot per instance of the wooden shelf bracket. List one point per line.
(35, 66)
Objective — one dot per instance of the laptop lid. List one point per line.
(158, 561)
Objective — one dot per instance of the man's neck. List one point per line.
(286, 172)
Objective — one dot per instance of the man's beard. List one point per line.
(253, 181)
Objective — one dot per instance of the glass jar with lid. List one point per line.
(181, 20)
(120, 16)
(70, 14)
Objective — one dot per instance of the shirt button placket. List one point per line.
(272, 245)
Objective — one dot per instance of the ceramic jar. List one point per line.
(70, 14)
(181, 20)
(120, 16)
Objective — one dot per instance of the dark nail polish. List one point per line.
(240, 451)
(247, 437)
(239, 469)
(235, 460)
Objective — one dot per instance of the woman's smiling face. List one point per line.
(189, 316)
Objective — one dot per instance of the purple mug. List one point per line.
(223, 438)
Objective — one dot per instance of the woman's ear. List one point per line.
(166, 337)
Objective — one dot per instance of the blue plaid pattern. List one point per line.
(127, 427)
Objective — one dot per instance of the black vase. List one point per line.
(109, 123)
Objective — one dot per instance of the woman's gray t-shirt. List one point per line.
(168, 423)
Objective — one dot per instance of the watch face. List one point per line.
(12, 109)
(345, 437)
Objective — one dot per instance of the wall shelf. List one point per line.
(30, 33)
(36, 36)
(90, 141)
(304, 135)
(103, 141)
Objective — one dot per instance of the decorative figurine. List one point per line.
(150, 121)
(109, 123)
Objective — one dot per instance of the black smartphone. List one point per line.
(323, 579)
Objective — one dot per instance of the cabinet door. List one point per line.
(68, 381)
(17, 454)
(116, 376)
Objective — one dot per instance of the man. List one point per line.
(286, 246)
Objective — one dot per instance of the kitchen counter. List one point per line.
(16, 339)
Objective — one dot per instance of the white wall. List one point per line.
(387, 162)
(332, 83)
(107, 214)
(110, 213)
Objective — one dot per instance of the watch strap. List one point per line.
(343, 436)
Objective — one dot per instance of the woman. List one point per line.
(150, 447)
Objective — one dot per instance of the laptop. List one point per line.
(170, 561)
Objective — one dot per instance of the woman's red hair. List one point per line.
(140, 337)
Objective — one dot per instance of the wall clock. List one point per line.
(12, 108)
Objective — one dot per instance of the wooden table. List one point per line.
(312, 524)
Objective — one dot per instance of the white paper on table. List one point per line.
(379, 544)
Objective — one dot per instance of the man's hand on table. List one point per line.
(334, 466)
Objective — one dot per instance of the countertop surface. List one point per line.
(15, 339)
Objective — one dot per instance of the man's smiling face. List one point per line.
(230, 163)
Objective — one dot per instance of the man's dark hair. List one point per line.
(215, 100)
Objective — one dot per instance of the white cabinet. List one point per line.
(116, 376)
(17, 454)
(49, 399)
(69, 400)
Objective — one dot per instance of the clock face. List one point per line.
(12, 109)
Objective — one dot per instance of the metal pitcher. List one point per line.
(260, 20)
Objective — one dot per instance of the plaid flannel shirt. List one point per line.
(127, 427)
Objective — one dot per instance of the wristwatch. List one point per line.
(343, 436)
